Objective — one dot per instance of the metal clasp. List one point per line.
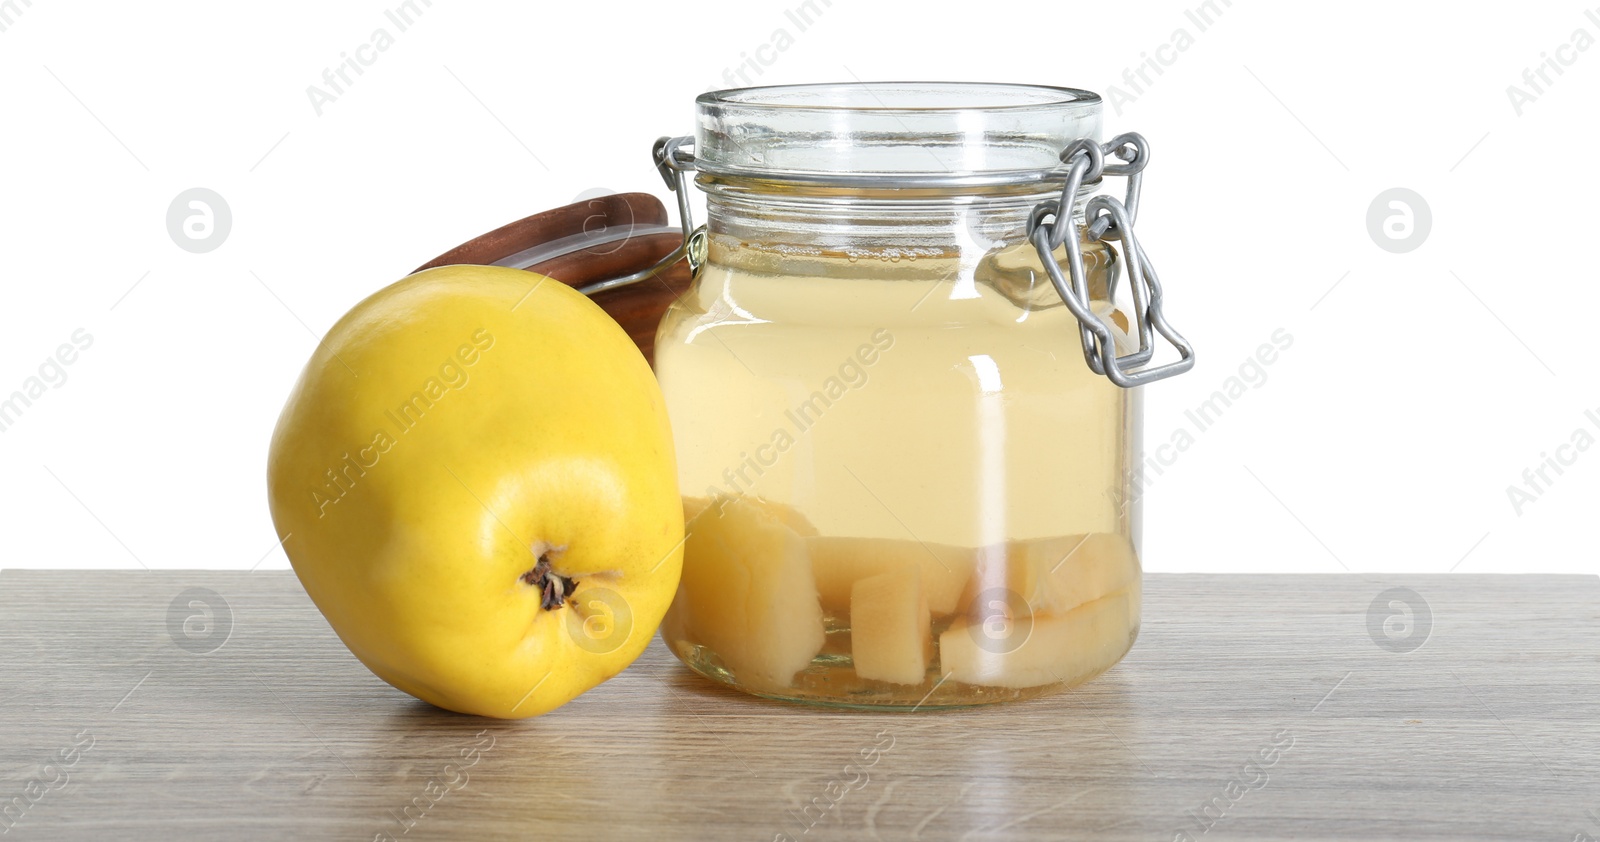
(674, 164)
(1106, 219)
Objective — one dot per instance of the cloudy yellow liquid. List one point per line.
(893, 396)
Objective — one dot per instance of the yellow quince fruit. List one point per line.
(474, 479)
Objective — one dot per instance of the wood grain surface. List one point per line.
(624, 230)
(117, 722)
(596, 215)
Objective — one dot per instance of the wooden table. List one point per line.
(1490, 730)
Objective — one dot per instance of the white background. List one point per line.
(1418, 388)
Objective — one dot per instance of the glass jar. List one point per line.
(903, 485)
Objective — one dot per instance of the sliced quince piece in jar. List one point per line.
(747, 593)
(841, 562)
(1055, 575)
(891, 632)
(1023, 651)
(789, 516)
(693, 506)
(1077, 570)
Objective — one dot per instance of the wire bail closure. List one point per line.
(1108, 220)
(674, 164)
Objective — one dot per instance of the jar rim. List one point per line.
(892, 135)
(881, 97)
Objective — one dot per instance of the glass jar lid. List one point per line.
(893, 134)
